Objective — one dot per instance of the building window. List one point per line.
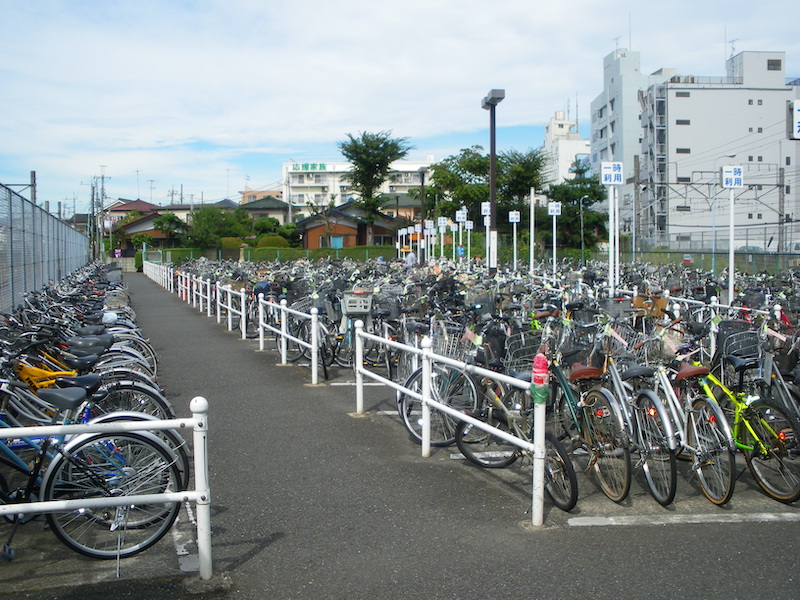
(682, 94)
(760, 130)
(788, 161)
(788, 189)
(750, 102)
(683, 122)
(749, 215)
(684, 180)
(758, 216)
(760, 102)
(750, 158)
(749, 130)
(774, 64)
(683, 151)
(760, 159)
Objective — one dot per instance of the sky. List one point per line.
(209, 96)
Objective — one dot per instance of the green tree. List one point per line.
(266, 225)
(140, 239)
(461, 180)
(371, 156)
(207, 222)
(582, 190)
(170, 225)
(518, 172)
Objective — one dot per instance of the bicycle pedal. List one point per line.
(7, 553)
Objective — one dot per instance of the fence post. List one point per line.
(284, 331)
(261, 321)
(314, 345)
(220, 291)
(208, 290)
(359, 365)
(426, 396)
(243, 306)
(199, 408)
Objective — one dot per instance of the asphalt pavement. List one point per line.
(310, 501)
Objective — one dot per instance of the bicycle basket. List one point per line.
(356, 302)
(521, 348)
(744, 344)
(451, 340)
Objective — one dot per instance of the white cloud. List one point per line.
(193, 91)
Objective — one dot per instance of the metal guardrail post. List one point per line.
(261, 322)
(426, 396)
(199, 408)
(284, 332)
(208, 289)
(359, 367)
(314, 346)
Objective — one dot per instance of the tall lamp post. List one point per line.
(492, 99)
(583, 245)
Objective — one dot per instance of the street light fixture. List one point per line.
(490, 102)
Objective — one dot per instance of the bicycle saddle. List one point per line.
(637, 371)
(417, 327)
(742, 364)
(63, 398)
(581, 372)
(90, 383)
(688, 370)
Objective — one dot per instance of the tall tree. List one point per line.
(518, 172)
(580, 192)
(371, 156)
(461, 180)
(169, 224)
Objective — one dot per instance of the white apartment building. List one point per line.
(616, 134)
(692, 126)
(562, 146)
(319, 183)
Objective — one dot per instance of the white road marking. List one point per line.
(639, 520)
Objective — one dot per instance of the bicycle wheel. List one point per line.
(715, 462)
(133, 396)
(659, 463)
(483, 447)
(770, 441)
(448, 386)
(560, 481)
(294, 351)
(610, 456)
(102, 466)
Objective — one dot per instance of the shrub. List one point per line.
(231, 243)
(272, 241)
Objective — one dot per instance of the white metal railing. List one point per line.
(283, 312)
(200, 495)
(225, 299)
(537, 448)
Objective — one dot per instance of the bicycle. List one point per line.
(93, 466)
(584, 411)
(513, 413)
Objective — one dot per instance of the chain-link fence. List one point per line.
(35, 248)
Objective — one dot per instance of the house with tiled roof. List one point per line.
(343, 226)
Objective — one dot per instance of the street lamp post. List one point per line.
(583, 245)
(490, 102)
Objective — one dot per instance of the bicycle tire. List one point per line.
(294, 351)
(134, 396)
(610, 455)
(715, 461)
(448, 386)
(100, 465)
(659, 463)
(773, 458)
(484, 448)
(560, 480)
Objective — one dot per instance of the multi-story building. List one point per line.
(562, 146)
(616, 134)
(320, 183)
(693, 126)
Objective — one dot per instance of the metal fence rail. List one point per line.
(35, 248)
